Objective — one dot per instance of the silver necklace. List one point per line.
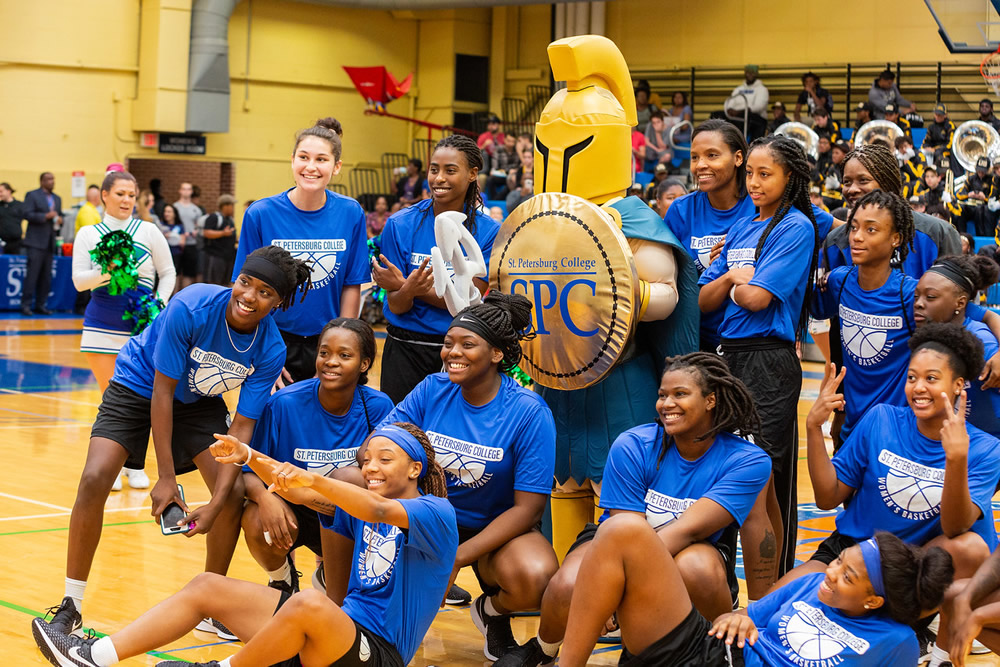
(256, 329)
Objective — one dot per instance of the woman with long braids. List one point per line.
(692, 479)
(169, 380)
(417, 317)
(403, 538)
(321, 227)
(496, 442)
(764, 278)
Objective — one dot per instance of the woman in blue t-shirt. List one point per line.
(169, 380)
(418, 318)
(496, 442)
(763, 278)
(943, 295)
(318, 424)
(693, 480)
(856, 613)
(920, 472)
(324, 228)
(701, 220)
(403, 539)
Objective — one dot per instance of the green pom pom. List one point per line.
(378, 294)
(521, 377)
(115, 255)
(142, 310)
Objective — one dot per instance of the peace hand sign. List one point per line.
(954, 436)
(828, 399)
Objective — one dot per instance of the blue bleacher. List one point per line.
(490, 203)
(918, 136)
(983, 241)
(643, 178)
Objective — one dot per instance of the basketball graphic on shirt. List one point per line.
(464, 462)
(465, 469)
(323, 256)
(866, 337)
(912, 494)
(378, 556)
(863, 342)
(661, 509)
(808, 641)
(212, 374)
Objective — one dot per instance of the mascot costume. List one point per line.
(613, 290)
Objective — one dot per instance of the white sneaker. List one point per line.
(117, 486)
(978, 649)
(137, 479)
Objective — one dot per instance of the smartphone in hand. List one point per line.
(171, 515)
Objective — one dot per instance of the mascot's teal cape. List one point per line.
(588, 420)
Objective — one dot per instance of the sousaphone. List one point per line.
(885, 130)
(803, 135)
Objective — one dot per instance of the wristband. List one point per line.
(732, 294)
(249, 456)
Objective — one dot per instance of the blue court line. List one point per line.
(41, 332)
(811, 375)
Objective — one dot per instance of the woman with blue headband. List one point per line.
(404, 540)
(856, 612)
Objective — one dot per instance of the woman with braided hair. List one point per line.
(764, 278)
(402, 533)
(417, 317)
(496, 442)
(690, 477)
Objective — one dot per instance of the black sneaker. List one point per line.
(60, 649)
(214, 626)
(496, 629)
(65, 618)
(529, 654)
(284, 586)
(319, 579)
(457, 596)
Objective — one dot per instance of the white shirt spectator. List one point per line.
(757, 97)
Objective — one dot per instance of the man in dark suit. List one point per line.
(43, 211)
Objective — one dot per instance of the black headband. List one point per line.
(266, 270)
(468, 320)
(950, 270)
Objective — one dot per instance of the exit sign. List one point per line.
(149, 140)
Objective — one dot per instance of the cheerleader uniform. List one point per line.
(105, 327)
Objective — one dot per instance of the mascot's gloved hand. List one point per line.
(452, 237)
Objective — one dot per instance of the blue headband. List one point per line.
(873, 563)
(406, 442)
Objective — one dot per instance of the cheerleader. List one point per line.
(763, 277)
(318, 226)
(418, 318)
(496, 443)
(919, 472)
(115, 313)
(335, 412)
(693, 480)
(169, 380)
(402, 532)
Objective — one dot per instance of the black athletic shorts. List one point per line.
(687, 645)
(368, 649)
(300, 355)
(308, 522)
(830, 548)
(189, 261)
(407, 358)
(124, 418)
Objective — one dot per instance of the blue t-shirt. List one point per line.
(190, 342)
(875, 327)
(699, 226)
(983, 406)
(399, 577)
(487, 451)
(797, 630)
(297, 429)
(898, 478)
(333, 239)
(783, 269)
(732, 473)
(406, 241)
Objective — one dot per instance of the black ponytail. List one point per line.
(509, 319)
(434, 481)
(915, 578)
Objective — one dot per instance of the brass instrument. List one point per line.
(878, 129)
(803, 135)
(972, 140)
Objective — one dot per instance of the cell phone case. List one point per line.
(174, 530)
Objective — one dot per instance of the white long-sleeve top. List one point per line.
(153, 255)
(757, 96)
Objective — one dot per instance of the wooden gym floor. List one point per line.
(48, 401)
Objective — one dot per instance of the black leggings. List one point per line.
(407, 358)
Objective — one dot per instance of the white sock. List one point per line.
(938, 656)
(549, 649)
(75, 589)
(103, 652)
(224, 663)
(490, 609)
(283, 573)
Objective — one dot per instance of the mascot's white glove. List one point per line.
(452, 238)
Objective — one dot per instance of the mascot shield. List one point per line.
(570, 259)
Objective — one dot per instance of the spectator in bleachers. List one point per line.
(891, 113)
(660, 174)
(911, 163)
(779, 117)
(986, 113)
(884, 92)
(937, 141)
(654, 97)
(92, 211)
(490, 140)
(638, 150)
(825, 126)
(816, 198)
(813, 96)
(144, 207)
(658, 149)
(496, 213)
(375, 220)
(521, 193)
(220, 242)
(865, 114)
(678, 112)
(971, 198)
(831, 177)
(756, 94)
(939, 211)
(968, 243)
(644, 109)
(172, 227)
(11, 215)
(503, 161)
(409, 189)
(917, 204)
(931, 189)
(525, 170)
(524, 140)
(665, 193)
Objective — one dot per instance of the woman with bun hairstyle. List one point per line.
(321, 227)
(856, 611)
(920, 472)
(943, 295)
(496, 442)
(417, 317)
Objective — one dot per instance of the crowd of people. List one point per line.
(451, 462)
